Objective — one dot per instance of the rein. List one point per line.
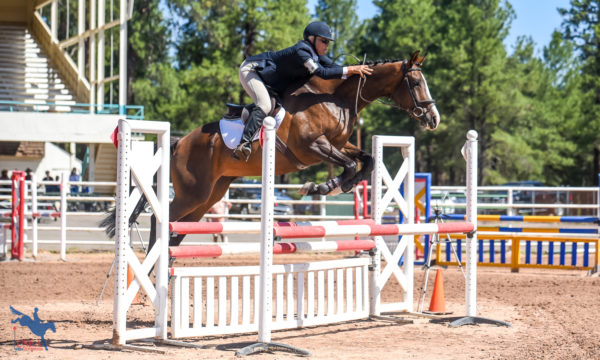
(419, 109)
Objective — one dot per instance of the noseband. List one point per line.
(419, 109)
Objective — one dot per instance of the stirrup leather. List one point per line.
(242, 151)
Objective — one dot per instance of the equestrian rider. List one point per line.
(276, 70)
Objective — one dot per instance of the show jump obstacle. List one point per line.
(240, 299)
(20, 213)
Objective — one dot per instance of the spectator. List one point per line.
(50, 188)
(4, 176)
(28, 174)
(73, 178)
(219, 208)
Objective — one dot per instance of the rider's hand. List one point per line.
(361, 70)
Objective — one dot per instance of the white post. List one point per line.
(92, 166)
(408, 153)
(72, 158)
(266, 245)
(470, 154)
(80, 31)
(54, 20)
(2, 241)
(162, 235)
(120, 305)
(34, 220)
(225, 237)
(375, 268)
(323, 208)
(123, 57)
(92, 56)
(101, 54)
(509, 202)
(64, 188)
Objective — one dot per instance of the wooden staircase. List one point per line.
(26, 76)
(106, 169)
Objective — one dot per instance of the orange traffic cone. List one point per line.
(130, 277)
(438, 302)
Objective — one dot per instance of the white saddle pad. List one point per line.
(232, 129)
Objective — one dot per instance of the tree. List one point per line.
(341, 16)
(581, 25)
(467, 75)
(395, 33)
(537, 143)
(147, 42)
(215, 38)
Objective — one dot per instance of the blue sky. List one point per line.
(535, 18)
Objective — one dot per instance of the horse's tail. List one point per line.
(109, 222)
(173, 140)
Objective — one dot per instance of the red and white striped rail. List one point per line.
(39, 214)
(251, 227)
(278, 248)
(322, 229)
(45, 214)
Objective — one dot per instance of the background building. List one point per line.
(60, 83)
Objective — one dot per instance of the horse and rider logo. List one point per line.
(36, 325)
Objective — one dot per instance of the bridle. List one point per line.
(419, 109)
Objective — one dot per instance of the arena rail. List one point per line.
(503, 246)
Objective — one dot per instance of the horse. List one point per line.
(319, 120)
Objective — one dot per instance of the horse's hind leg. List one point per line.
(324, 150)
(217, 194)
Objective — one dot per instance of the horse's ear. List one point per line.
(414, 57)
(421, 59)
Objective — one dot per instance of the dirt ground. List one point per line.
(554, 315)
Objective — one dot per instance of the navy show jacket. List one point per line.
(279, 69)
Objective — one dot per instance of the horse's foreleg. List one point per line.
(325, 151)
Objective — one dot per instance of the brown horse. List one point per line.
(320, 117)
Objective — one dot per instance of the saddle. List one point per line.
(235, 111)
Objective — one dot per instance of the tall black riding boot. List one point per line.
(253, 124)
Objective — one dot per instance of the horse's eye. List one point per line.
(416, 83)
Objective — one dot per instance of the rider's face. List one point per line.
(321, 45)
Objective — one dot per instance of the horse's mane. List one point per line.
(382, 61)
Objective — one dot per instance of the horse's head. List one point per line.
(412, 93)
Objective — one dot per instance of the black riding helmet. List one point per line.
(318, 28)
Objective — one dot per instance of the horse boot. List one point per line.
(252, 126)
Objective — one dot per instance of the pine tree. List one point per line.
(213, 38)
(341, 16)
(581, 25)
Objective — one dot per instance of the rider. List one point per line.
(276, 70)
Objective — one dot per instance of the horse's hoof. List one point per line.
(348, 187)
(309, 188)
